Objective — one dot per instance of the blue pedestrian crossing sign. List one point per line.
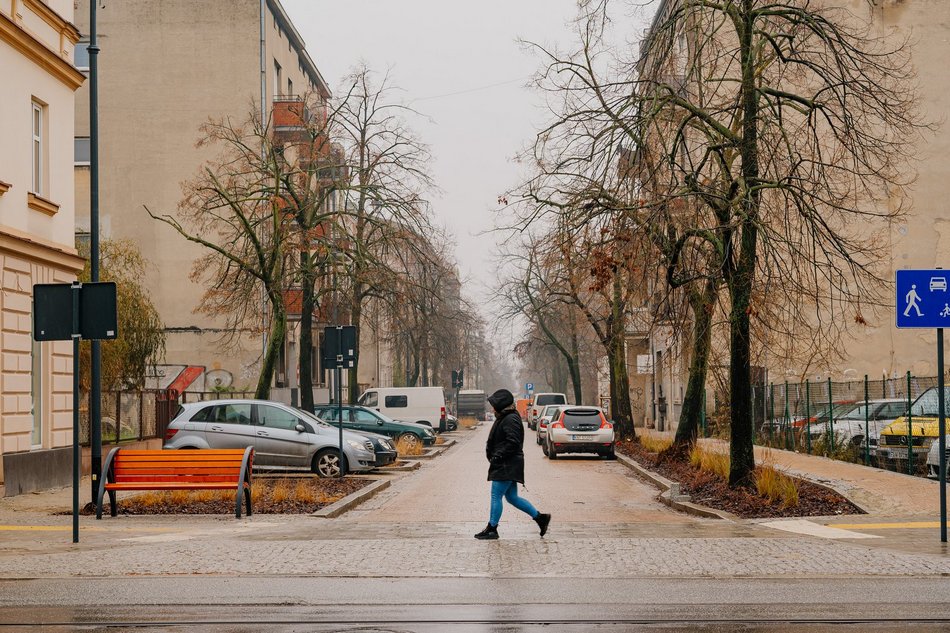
(923, 298)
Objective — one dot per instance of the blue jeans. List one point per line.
(508, 490)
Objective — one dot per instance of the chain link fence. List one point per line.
(844, 420)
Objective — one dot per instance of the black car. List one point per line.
(383, 446)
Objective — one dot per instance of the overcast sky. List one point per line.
(461, 64)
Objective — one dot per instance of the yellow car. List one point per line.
(893, 444)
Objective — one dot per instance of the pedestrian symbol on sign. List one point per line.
(912, 298)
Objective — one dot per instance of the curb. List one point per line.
(446, 444)
(410, 465)
(670, 493)
(832, 485)
(430, 453)
(352, 500)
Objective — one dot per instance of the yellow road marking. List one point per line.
(886, 526)
(35, 528)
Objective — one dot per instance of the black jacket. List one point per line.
(504, 448)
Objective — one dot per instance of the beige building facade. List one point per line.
(37, 217)
(165, 68)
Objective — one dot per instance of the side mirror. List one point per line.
(300, 428)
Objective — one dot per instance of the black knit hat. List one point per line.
(501, 400)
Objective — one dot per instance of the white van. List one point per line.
(538, 402)
(425, 405)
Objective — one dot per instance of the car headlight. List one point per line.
(356, 445)
(428, 431)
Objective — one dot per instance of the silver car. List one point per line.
(549, 412)
(283, 438)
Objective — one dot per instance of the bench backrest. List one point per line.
(206, 465)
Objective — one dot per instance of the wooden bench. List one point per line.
(199, 469)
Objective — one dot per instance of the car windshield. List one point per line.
(550, 398)
(312, 417)
(857, 413)
(927, 406)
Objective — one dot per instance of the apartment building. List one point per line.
(37, 217)
(920, 240)
(165, 68)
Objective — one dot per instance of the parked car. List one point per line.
(538, 402)
(933, 458)
(542, 426)
(849, 426)
(383, 446)
(283, 438)
(580, 430)
(362, 419)
(451, 422)
(924, 414)
(423, 405)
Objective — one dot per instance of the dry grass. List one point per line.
(404, 449)
(439, 440)
(468, 422)
(654, 444)
(280, 491)
(776, 486)
(716, 463)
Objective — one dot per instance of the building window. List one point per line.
(290, 87)
(81, 150)
(36, 394)
(81, 56)
(39, 149)
(278, 84)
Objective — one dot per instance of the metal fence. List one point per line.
(140, 415)
(801, 417)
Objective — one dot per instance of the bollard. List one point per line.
(828, 424)
(867, 434)
(808, 415)
(910, 431)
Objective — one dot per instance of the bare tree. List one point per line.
(387, 181)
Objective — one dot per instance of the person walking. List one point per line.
(505, 452)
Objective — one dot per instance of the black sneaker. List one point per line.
(489, 533)
(543, 520)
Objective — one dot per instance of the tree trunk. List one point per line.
(702, 304)
(305, 358)
(356, 315)
(278, 329)
(574, 365)
(621, 409)
(742, 457)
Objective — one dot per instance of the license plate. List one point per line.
(580, 437)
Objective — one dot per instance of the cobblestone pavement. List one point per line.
(607, 525)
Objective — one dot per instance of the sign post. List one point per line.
(75, 311)
(923, 301)
(339, 351)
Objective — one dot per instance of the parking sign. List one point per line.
(923, 298)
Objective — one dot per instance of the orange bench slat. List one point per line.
(160, 485)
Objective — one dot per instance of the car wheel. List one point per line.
(544, 448)
(611, 454)
(538, 439)
(327, 464)
(411, 440)
(552, 453)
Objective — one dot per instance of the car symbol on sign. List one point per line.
(938, 283)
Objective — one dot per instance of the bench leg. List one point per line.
(237, 502)
(247, 498)
(113, 507)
